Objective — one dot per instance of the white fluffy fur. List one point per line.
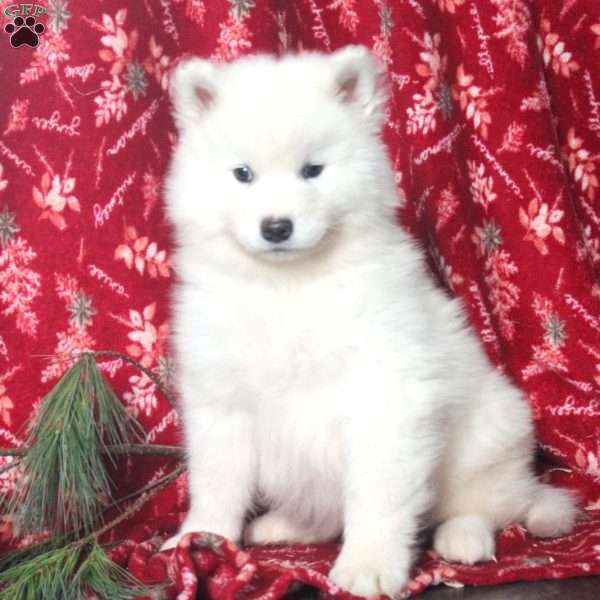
(333, 383)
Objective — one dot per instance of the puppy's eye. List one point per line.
(310, 171)
(243, 174)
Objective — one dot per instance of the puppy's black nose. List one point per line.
(276, 230)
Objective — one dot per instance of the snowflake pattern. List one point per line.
(165, 371)
(554, 330)
(8, 226)
(135, 80)
(444, 100)
(241, 8)
(81, 310)
(76, 338)
(549, 355)
(59, 15)
(487, 238)
(385, 19)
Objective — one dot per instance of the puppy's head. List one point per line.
(277, 154)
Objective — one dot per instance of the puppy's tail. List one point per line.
(552, 513)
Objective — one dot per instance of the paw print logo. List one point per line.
(24, 31)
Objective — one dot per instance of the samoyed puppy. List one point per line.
(323, 375)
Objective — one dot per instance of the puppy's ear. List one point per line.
(359, 81)
(193, 90)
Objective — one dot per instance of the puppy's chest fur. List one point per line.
(275, 342)
(284, 355)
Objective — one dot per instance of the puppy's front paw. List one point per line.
(223, 529)
(370, 574)
(467, 539)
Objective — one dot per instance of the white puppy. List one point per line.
(322, 373)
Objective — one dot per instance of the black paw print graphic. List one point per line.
(24, 31)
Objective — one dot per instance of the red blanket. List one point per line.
(494, 131)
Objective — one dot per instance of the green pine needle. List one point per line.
(69, 573)
(107, 579)
(15, 557)
(65, 486)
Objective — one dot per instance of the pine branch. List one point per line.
(69, 573)
(147, 492)
(154, 484)
(145, 449)
(65, 489)
(15, 557)
(64, 482)
(52, 570)
(149, 449)
(11, 465)
(152, 376)
(13, 452)
(126, 358)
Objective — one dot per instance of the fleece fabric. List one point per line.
(493, 128)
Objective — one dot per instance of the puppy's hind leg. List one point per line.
(489, 481)
(473, 509)
(500, 496)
